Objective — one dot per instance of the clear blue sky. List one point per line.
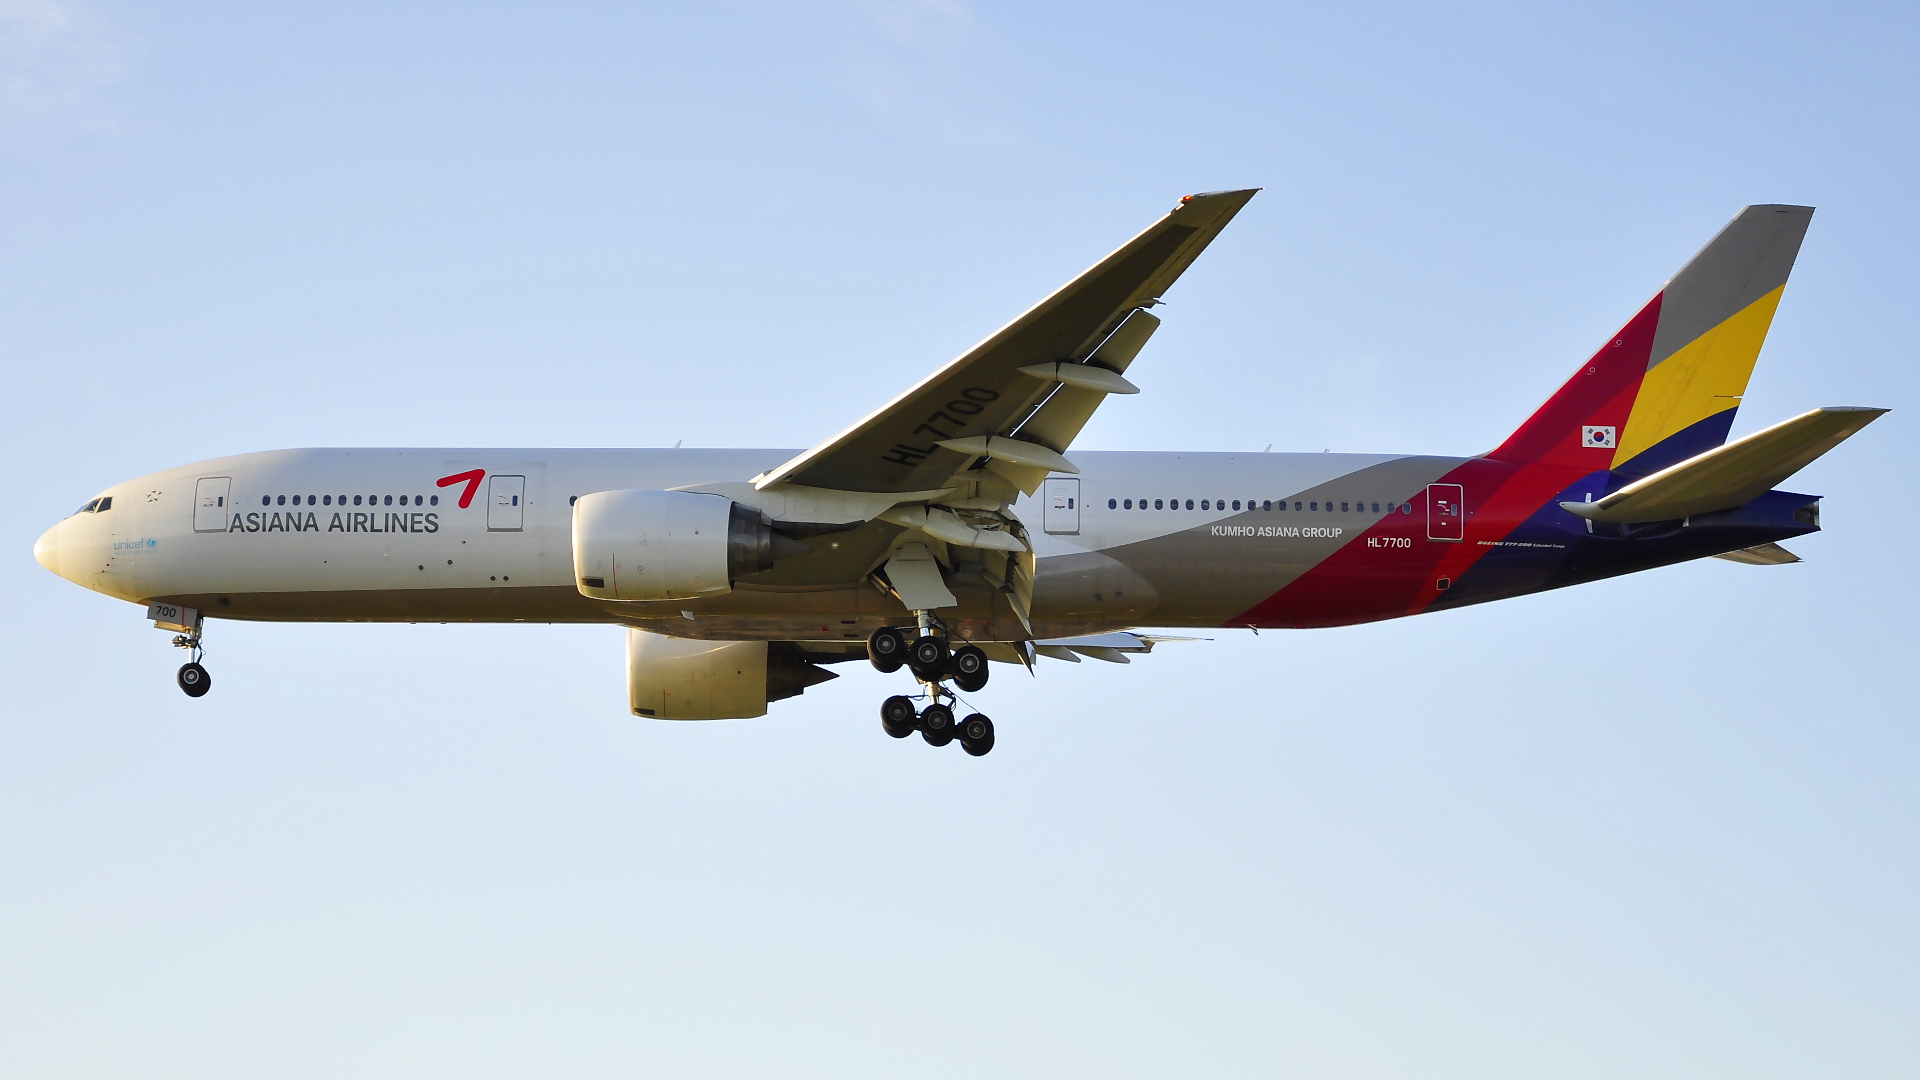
(1664, 826)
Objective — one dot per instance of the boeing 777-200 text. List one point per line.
(949, 529)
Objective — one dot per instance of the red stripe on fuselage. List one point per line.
(1372, 577)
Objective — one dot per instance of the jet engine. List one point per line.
(668, 545)
(679, 679)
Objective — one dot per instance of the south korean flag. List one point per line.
(1598, 437)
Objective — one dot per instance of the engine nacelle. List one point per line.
(678, 679)
(665, 545)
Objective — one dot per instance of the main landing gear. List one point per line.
(933, 664)
(193, 678)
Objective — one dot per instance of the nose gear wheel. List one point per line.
(192, 677)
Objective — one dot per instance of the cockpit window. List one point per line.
(97, 506)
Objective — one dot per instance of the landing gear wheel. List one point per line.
(929, 653)
(969, 667)
(194, 680)
(897, 716)
(936, 725)
(887, 649)
(976, 735)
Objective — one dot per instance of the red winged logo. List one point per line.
(471, 479)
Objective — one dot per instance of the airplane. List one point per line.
(948, 530)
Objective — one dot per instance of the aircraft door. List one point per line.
(1060, 510)
(210, 503)
(1446, 515)
(506, 503)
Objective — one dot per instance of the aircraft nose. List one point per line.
(46, 550)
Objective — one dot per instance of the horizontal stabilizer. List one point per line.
(1730, 475)
(1761, 555)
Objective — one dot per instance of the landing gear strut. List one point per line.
(193, 678)
(933, 663)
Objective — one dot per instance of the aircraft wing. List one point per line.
(1020, 396)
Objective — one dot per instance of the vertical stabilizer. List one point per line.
(1666, 387)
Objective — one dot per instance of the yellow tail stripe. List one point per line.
(1707, 375)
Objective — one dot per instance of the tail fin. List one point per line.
(1665, 388)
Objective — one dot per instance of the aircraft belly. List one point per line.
(849, 613)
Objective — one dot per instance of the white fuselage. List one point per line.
(358, 534)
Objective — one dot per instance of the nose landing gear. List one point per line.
(193, 678)
(932, 663)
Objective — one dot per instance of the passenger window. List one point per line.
(356, 500)
(1406, 508)
(1376, 508)
(1203, 504)
(283, 500)
(436, 500)
(1236, 504)
(326, 500)
(1316, 505)
(1343, 508)
(1113, 504)
(389, 500)
(1268, 505)
(1189, 504)
(1128, 505)
(1156, 504)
